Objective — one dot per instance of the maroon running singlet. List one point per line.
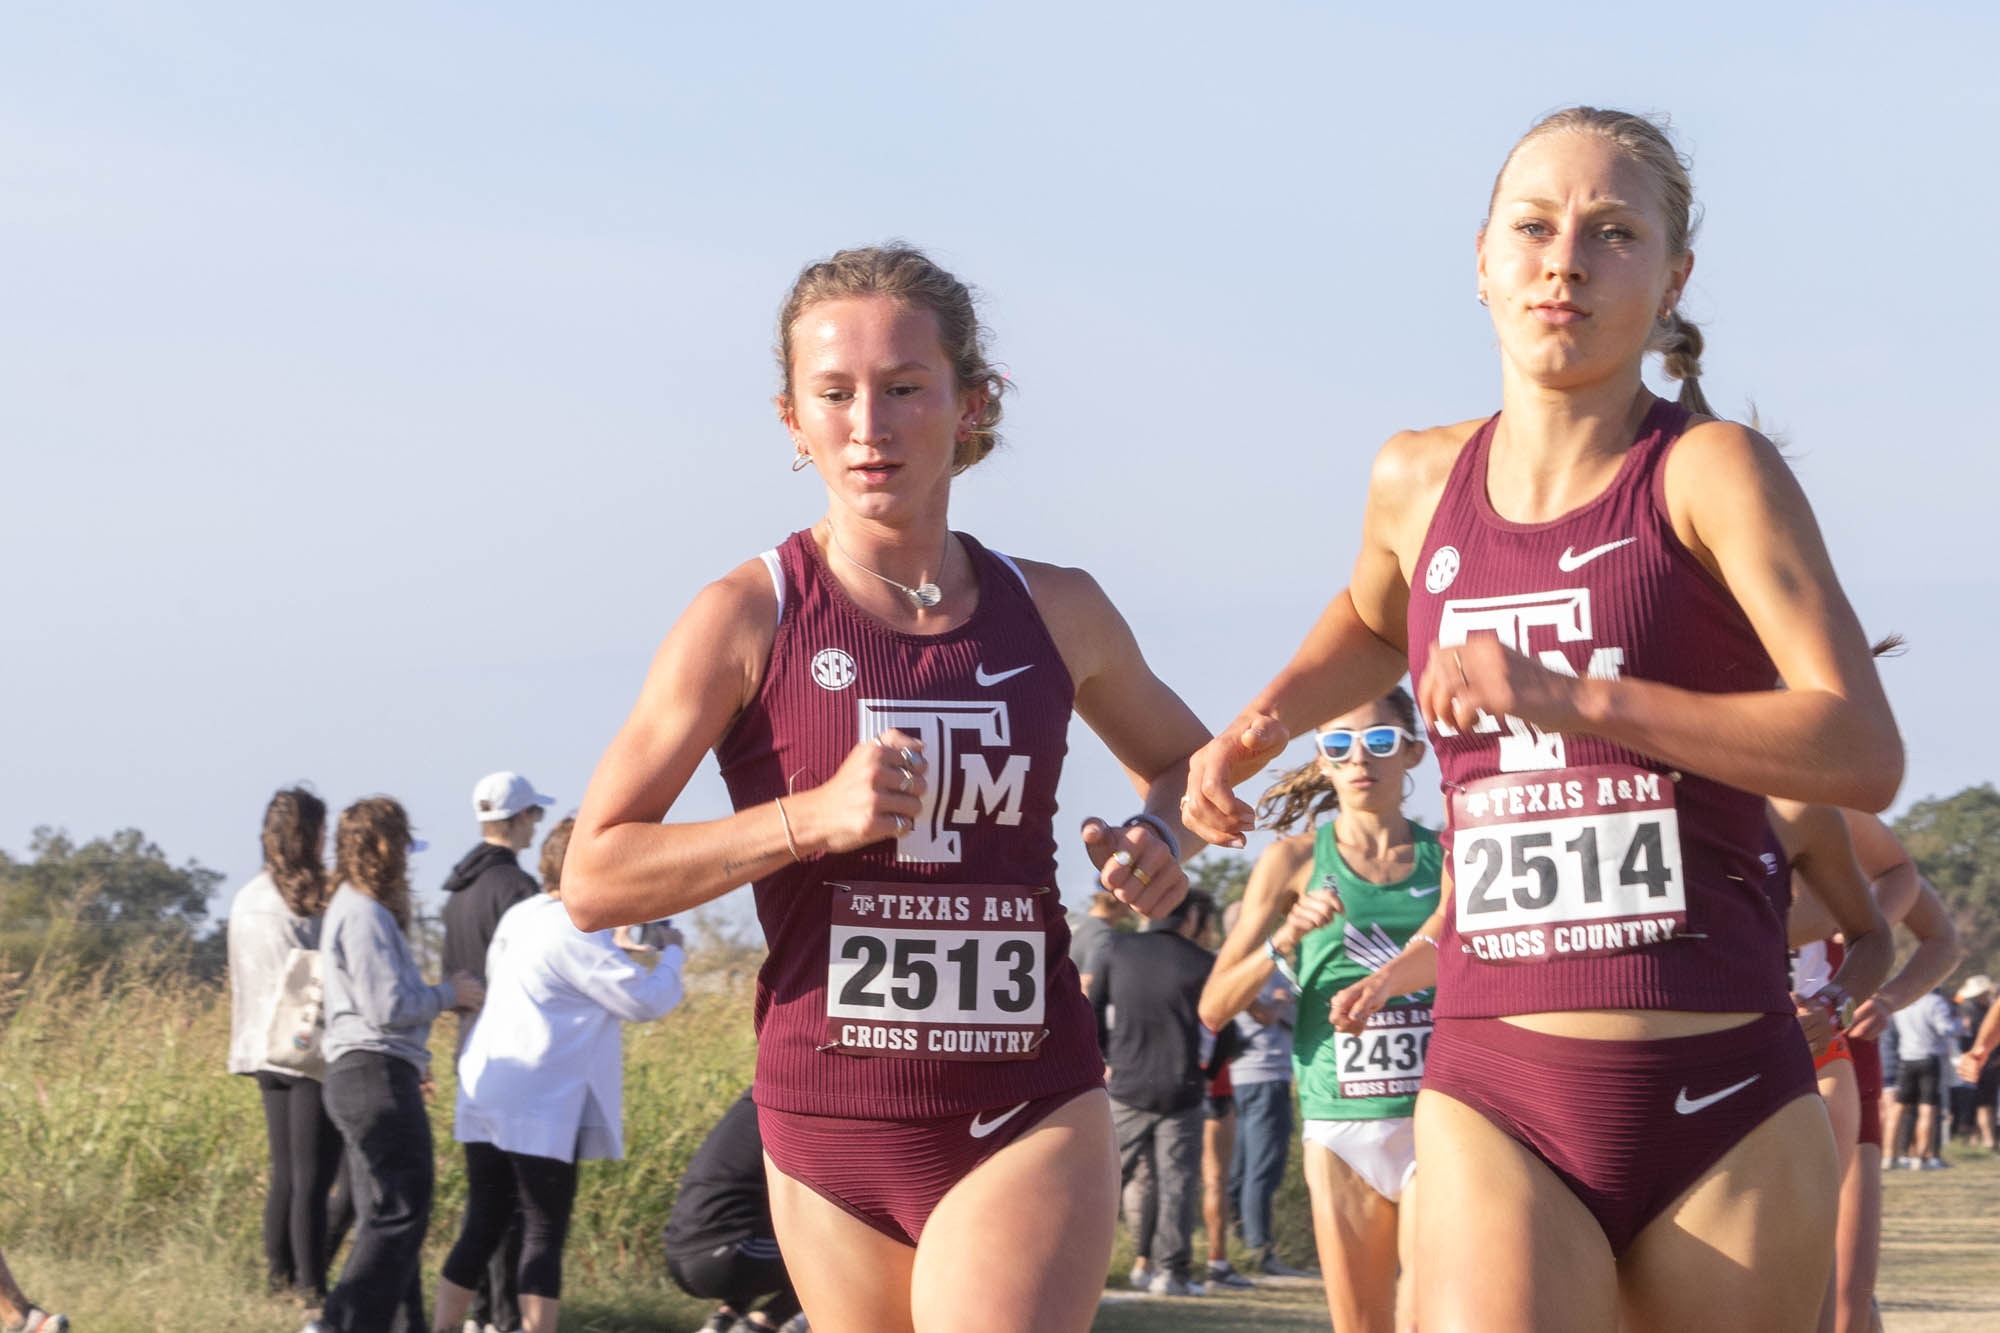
(1587, 875)
(928, 976)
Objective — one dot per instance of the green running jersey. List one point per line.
(1375, 1075)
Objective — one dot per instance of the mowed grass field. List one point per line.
(132, 1175)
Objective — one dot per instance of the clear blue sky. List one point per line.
(378, 382)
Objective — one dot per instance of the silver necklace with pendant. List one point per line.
(922, 597)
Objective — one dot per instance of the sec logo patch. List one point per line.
(1444, 568)
(833, 669)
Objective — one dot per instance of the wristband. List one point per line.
(1284, 967)
(1159, 826)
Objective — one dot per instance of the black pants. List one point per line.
(736, 1273)
(376, 1102)
(305, 1154)
(500, 1186)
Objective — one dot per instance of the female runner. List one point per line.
(889, 702)
(1904, 899)
(1597, 591)
(1339, 901)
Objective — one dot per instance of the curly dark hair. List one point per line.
(294, 839)
(371, 851)
(555, 846)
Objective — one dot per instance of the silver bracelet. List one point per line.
(1159, 826)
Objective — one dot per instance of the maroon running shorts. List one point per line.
(1627, 1125)
(1868, 1081)
(892, 1173)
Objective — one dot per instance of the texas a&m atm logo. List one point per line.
(1522, 621)
(950, 731)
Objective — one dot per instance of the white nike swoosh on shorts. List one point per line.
(979, 1127)
(1569, 561)
(1416, 892)
(1688, 1106)
(979, 674)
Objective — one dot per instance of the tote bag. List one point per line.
(298, 1019)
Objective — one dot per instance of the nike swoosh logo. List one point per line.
(1689, 1105)
(980, 1127)
(1416, 892)
(1569, 561)
(979, 674)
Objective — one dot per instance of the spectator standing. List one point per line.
(276, 912)
(486, 882)
(1926, 1033)
(541, 1085)
(1981, 1064)
(720, 1242)
(378, 1022)
(1092, 933)
(1144, 994)
(1262, 1076)
(1981, 1078)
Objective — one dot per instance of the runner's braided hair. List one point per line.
(294, 833)
(1306, 793)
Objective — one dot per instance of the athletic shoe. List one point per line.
(1270, 1265)
(1166, 1284)
(1225, 1275)
(796, 1324)
(1142, 1273)
(722, 1321)
(41, 1321)
(1934, 1164)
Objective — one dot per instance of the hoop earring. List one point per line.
(801, 461)
(1409, 784)
(1482, 298)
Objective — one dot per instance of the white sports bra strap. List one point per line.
(1011, 565)
(770, 559)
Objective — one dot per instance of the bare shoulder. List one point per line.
(1288, 854)
(723, 640)
(1408, 476)
(1061, 588)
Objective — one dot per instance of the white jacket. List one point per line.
(543, 1072)
(262, 931)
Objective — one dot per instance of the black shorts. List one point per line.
(1218, 1108)
(1917, 1082)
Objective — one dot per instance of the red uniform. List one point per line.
(1589, 876)
(926, 978)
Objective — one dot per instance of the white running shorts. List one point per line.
(1381, 1152)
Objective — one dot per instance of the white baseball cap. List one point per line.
(503, 795)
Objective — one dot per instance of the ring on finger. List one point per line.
(1123, 856)
(909, 756)
(904, 822)
(1139, 873)
(908, 778)
(1459, 662)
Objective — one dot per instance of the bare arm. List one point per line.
(1414, 969)
(624, 864)
(1937, 953)
(1241, 965)
(1892, 875)
(1827, 738)
(1355, 652)
(1816, 837)
(1141, 721)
